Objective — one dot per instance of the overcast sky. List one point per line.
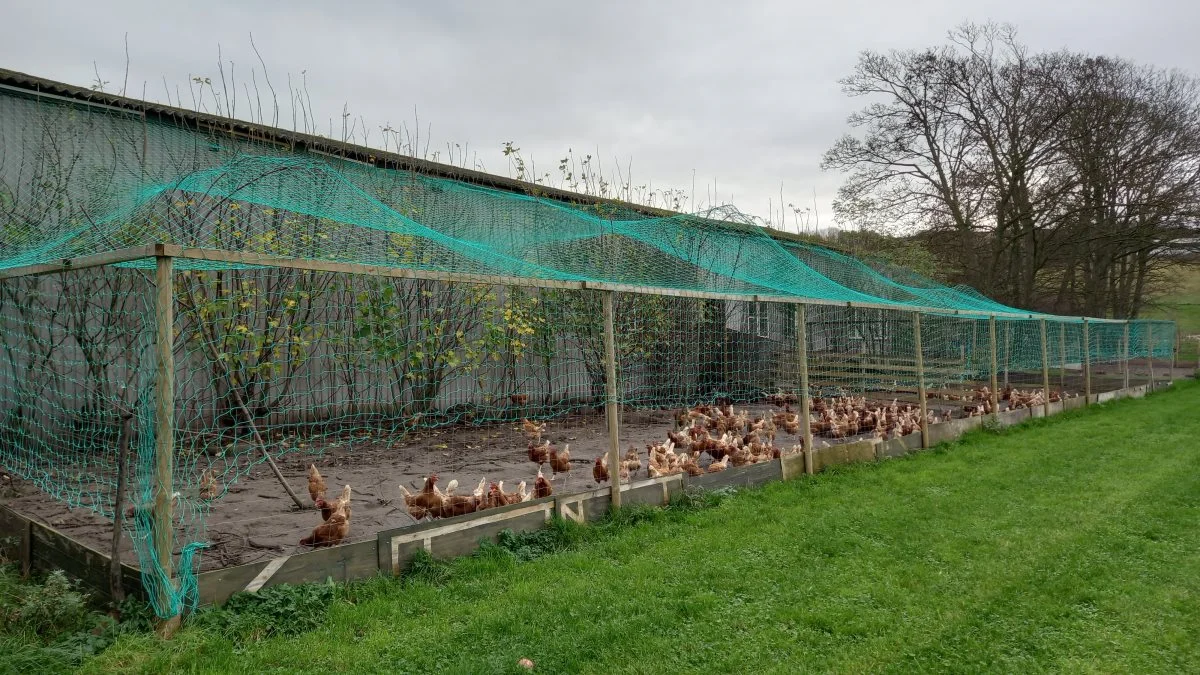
(742, 94)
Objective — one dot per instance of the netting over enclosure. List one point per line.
(232, 303)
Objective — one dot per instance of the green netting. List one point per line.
(496, 325)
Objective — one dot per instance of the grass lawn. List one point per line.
(1071, 543)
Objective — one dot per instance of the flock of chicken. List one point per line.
(726, 436)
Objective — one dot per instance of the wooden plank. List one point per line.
(82, 262)
(583, 507)
(1073, 403)
(611, 404)
(745, 476)
(217, 586)
(793, 465)
(458, 536)
(357, 560)
(654, 491)
(51, 549)
(1011, 417)
(845, 453)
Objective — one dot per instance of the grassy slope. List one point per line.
(1182, 306)
(1072, 544)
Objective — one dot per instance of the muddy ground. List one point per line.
(255, 519)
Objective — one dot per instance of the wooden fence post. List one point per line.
(1007, 350)
(610, 405)
(164, 436)
(1062, 357)
(920, 378)
(995, 373)
(1087, 365)
(1045, 373)
(1125, 357)
(1150, 353)
(802, 359)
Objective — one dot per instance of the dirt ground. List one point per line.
(255, 519)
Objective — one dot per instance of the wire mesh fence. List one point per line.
(389, 326)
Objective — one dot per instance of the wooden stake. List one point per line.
(1150, 353)
(1087, 365)
(995, 373)
(116, 587)
(1062, 357)
(1125, 358)
(1045, 373)
(610, 404)
(920, 377)
(164, 436)
(805, 419)
(1007, 350)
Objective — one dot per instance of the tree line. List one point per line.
(1057, 181)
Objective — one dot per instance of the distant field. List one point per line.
(1183, 307)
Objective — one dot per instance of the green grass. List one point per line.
(1066, 544)
(1183, 307)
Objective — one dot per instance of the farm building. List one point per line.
(195, 310)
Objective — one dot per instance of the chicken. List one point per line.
(717, 467)
(511, 497)
(329, 533)
(328, 508)
(632, 463)
(541, 486)
(692, 466)
(428, 498)
(208, 486)
(600, 469)
(316, 484)
(519, 399)
(560, 461)
(533, 431)
(539, 454)
(336, 527)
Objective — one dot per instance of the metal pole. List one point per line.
(1125, 358)
(1045, 373)
(1087, 365)
(920, 377)
(164, 437)
(992, 348)
(805, 417)
(610, 404)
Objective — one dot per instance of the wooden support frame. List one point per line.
(806, 438)
(1007, 350)
(917, 351)
(164, 433)
(1087, 364)
(611, 404)
(1045, 371)
(995, 373)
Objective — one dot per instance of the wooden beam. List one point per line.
(164, 436)
(82, 262)
(995, 373)
(920, 378)
(1045, 372)
(1087, 364)
(611, 402)
(805, 415)
(1007, 350)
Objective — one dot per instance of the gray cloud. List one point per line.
(743, 93)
